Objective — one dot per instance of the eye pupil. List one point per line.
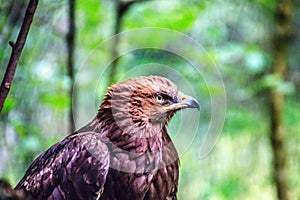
(159, 98)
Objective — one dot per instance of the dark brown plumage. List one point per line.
(124, 153)
(8, 193)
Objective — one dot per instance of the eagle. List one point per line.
(124, 153)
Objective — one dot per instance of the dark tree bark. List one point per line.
(70, 39)
(281, 41)
(16, 52)
(121, 9)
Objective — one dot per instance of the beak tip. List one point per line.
(185, 101)
(193, 104)
(188, 101)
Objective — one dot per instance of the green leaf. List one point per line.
(273, 81)
(58, 101)
(9, 104)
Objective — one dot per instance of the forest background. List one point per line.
(254, 45)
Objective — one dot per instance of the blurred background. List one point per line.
(253, 44)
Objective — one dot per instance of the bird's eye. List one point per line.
(159, 98)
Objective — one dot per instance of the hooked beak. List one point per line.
(184, 101)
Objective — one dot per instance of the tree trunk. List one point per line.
(283, 23)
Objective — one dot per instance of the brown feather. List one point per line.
(124, 153)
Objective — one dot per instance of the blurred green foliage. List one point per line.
(235, 36)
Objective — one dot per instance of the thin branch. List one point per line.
(16, 52)
(70, 39)
(121, 10)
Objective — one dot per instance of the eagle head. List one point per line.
(144, 104)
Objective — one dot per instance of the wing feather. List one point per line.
(70, 169)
